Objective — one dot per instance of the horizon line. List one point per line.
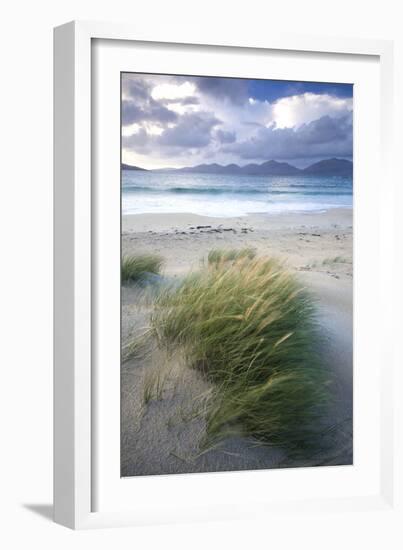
(237, 165)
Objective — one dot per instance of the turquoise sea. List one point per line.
(231, 195)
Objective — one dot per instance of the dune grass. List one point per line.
(136, 268)
(153, 386)
(250, 327)
(218, 255)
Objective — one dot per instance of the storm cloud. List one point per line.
(194, 130)
(230, 89)
(190, 119)
(151, 111)
(324, 137)
(139, 106)
(225, 137)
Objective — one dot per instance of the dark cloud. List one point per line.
(136, 87)
(193, 131)
(152, 111)
(139, 106)
(138, 141)
(230, 89)
(225, 137)
(324, 137)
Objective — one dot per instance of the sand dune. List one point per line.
(161, 435)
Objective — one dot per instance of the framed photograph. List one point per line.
(221, 230)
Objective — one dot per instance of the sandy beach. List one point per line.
(304, 240)
(162, 435)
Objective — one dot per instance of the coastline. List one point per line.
(161, 221)
(303, 240)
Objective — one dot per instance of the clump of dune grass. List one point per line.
(136, 268)
(250, 327)
(153, 386)
(218, 255)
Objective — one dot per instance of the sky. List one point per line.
(176, 121)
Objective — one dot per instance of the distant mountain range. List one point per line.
(130, 167)
(329, 167)
(271, 167)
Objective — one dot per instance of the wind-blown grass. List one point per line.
(136, 268)
(250, 327)
(218, 255)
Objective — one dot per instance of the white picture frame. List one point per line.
(77, 421)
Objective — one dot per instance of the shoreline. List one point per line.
(306, 241)
(142, 220)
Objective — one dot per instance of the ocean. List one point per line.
(227, 195)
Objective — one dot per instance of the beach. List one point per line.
(162, 436)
